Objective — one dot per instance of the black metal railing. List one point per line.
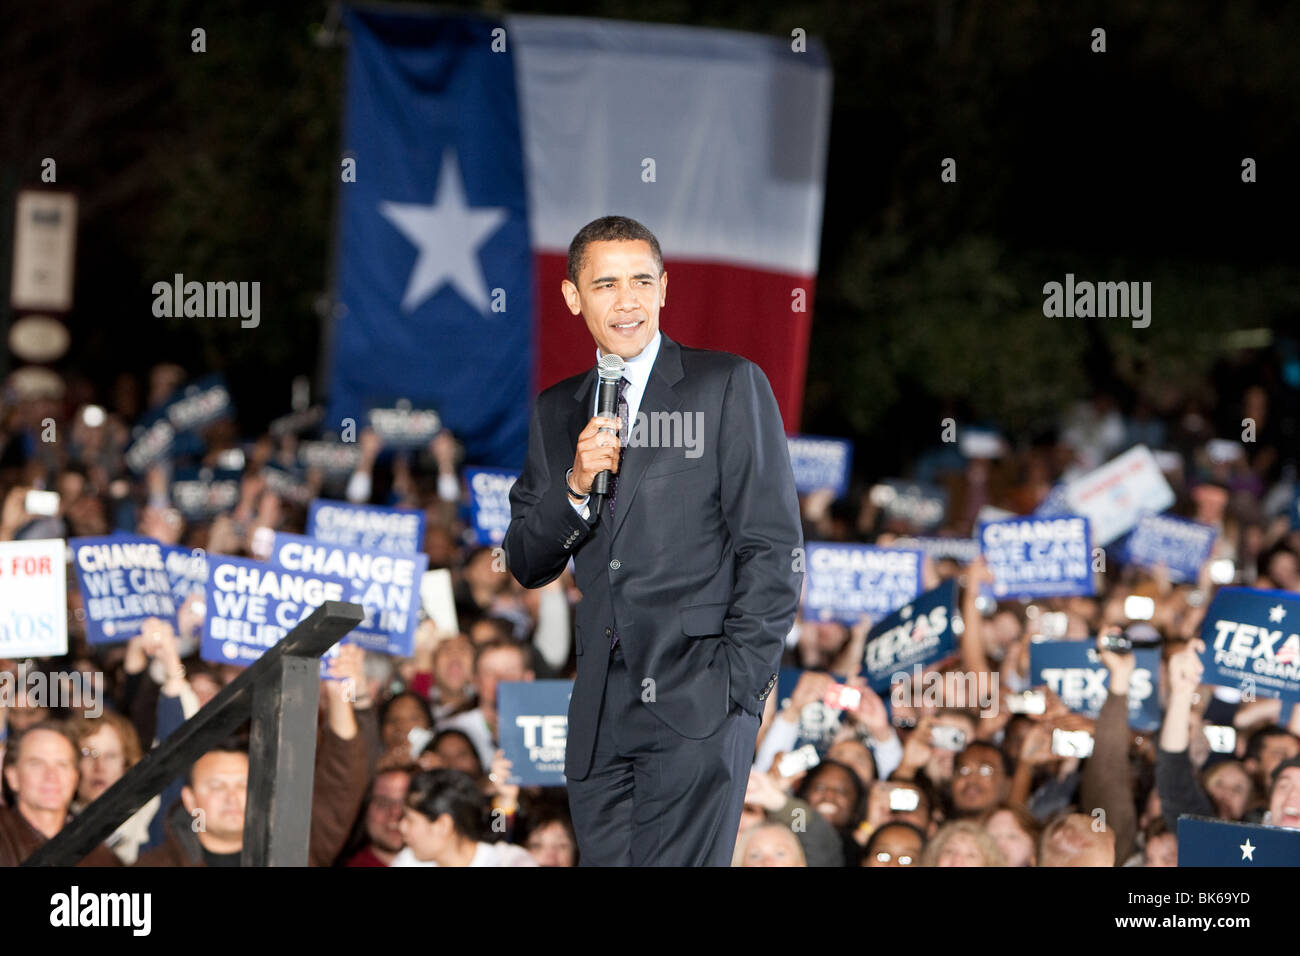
(280, 693)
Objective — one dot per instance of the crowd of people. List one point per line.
(409, 771)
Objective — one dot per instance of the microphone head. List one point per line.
(610, 367)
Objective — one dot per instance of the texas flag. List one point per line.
(480, 146)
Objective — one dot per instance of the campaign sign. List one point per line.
(199, 404)
(818, 724)
(489, 502)
(152, 441)
(331, 457)
(202, 493)
(187, 571)
(123, 580)
(1251, 642)
(533, 720)
(846, 581)
(1038, 557)
(1054, 504)
(33, 598)
(1181, 546)
(1114, 496)
(405, 427)
(252, 605)
(820, 463)
(1206, 841)
(918, 504)
(387, 585)
(399, 530)
(923, 632)
(1074, 672)
(961, 550)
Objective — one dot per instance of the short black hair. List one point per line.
(231, 745)
(1003, 760)
(1258, 738)
(859, 788)
(435, 792)
(890, 825)
(609, 229)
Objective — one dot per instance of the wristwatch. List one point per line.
(569, 488)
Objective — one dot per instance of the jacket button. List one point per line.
(608, 632)
(615, 564)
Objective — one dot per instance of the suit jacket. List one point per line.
(696, 569)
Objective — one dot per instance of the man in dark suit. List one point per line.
(687, 568)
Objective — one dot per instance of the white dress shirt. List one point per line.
(637, 372)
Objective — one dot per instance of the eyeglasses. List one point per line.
(108, 756)
(884, 856)
(984, 770)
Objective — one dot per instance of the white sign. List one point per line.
(45, 237)
(1114, 496)
(33, 598)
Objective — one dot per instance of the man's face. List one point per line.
(453, 662)
(1274, 750)
(44, 777)
(1284, 807)
(219, 790)
(102, 762)
(895, 846)
(384, 815)
(619, 293)
(978, 779)
(858, 756)
(496, 667)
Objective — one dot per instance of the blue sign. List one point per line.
(187, 570)
(1182, 546)
(252, 605)
(961, 550)
(370, 527)
(818, 724)
(1251, 642)
(123, 580)
(921, 633)
(919, 505)
(533, 728)
(1055, 504)
(1038, 557)
(820, 463)
(199, 404)
(1074, 672)
(489, 502)
(846, 581)
(1203, 841)
(387, 585)
(201, 493)
(436, 266)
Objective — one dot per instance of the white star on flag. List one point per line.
(1248, 851)
(1276, 613)
(448, 234)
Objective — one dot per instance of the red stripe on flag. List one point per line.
(710, 306)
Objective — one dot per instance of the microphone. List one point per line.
(610, 369)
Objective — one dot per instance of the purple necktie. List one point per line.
(613, 479)
(622, 437)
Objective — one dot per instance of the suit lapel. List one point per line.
(659, 397)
